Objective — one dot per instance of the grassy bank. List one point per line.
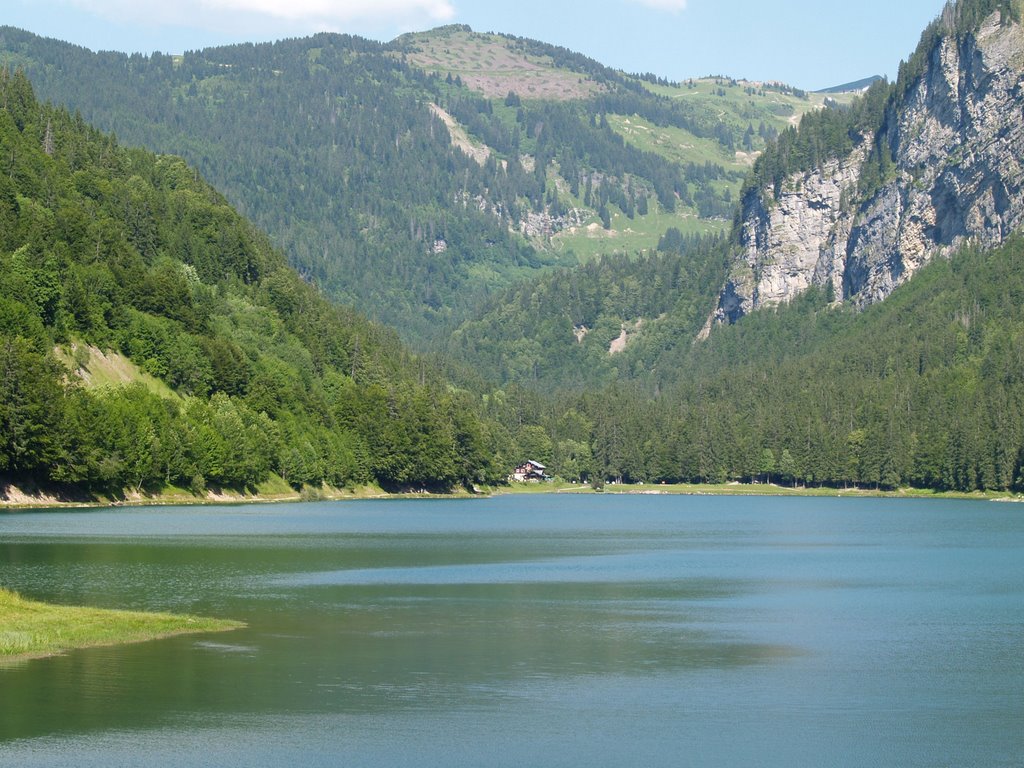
(29, 628)
(23, 496)
(276, 490)
(755, 489)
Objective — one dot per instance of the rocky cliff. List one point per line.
(955, 135)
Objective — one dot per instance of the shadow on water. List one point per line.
(380, 648)
(382, 623)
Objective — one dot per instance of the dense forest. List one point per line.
(556, 332)
(328, 144)
(106, 248)
(925, 389)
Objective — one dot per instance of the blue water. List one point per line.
(537, 630)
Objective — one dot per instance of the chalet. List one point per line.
(530, 472)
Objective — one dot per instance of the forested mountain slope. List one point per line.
(923, 389)
(119, 250)
(242, 371)
(611, 319)
(327, 143)
(409, 193)
(855, 201)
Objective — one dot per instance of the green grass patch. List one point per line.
(98, 369)
(674, 144)
(629, 236)
(29, 628)
(275, 485)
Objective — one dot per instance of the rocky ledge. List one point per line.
(957, 141)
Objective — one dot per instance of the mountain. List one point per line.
(858, 201)
(621, 318)
(857, 86)
(923, 388)
(150, 337)
(413, 180)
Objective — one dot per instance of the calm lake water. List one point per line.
(538, 630)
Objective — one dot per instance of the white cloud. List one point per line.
(673, 6)
(313, 15)
(338, 11)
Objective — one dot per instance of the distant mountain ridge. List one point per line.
(399, 188)
(857, 86)
(496, 65)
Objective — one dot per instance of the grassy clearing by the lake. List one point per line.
(753, 489)
(771, 489)
(29, 628)
(276, 490)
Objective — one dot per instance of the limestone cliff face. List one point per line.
(957, 140)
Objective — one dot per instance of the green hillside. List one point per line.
(151, 337)
(503, 230)
(612, 319)
(330, 145)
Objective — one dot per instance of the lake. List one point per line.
(532, 630)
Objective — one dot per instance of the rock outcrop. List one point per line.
(956, 137)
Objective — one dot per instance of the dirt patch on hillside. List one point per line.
(628, 332)
(491, 65)
(27, 494)
(460, 138)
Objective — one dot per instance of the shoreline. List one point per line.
(14, 499)
(33, 630)
(765, 489)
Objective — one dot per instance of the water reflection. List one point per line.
(641, 627)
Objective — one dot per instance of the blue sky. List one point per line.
(807, 43)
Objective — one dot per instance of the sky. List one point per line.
(810, 44)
